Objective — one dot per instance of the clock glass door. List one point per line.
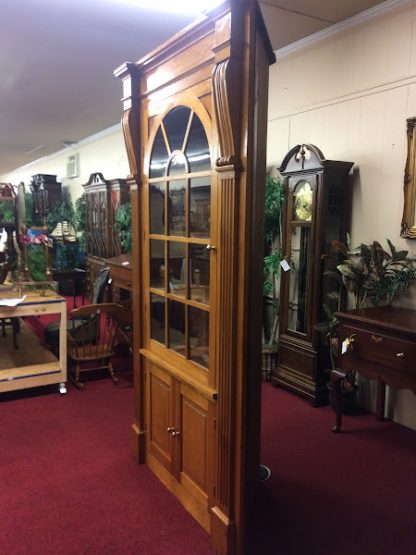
(301, 215)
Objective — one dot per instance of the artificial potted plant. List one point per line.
(123, 226)
(274, 199)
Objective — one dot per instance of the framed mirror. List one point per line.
(409, 212)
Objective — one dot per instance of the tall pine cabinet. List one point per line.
(195, 113)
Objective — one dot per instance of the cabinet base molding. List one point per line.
(198, 508)
(317, 395)
(138, 443)
(222, 532)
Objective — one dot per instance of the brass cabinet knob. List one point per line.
(210, 248)
(175, 433)
(401, 355)
(170, 430)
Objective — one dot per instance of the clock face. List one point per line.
(302, 202)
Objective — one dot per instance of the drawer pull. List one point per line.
(401, 355)
(376, 338)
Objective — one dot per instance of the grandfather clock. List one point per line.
(317, 212)
(195, 116)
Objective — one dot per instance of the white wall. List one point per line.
(350, 94)
(104, 152)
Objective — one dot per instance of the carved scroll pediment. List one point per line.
(228, 126)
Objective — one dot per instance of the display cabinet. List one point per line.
(102, 198)
(46, 192)
(317, 212)
(195, 115)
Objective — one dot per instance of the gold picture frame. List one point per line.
(408, 229)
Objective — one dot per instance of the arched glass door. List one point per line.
(179, 208)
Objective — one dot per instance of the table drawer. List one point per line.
(121, 276)
(377, 348)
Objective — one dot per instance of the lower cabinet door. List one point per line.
(160, 416)
(196, 434)
(180, 424)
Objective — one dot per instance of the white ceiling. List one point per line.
(57, 59)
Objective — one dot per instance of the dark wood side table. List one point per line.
(382, 347)
(121, 274)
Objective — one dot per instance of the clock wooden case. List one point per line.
(317, 212)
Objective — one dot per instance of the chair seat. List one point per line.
(90, 351)
(52, 330)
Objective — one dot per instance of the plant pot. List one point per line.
(269, 361)
(348, 399)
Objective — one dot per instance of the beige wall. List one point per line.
(103, 153)
(350, 94)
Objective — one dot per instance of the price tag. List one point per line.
(345, 345)
(285, 265)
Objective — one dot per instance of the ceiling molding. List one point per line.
(371, 13)
(90, 139)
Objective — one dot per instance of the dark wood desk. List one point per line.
(382, 348)
(121, 274)
(120, 291)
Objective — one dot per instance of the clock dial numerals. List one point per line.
(302, 202)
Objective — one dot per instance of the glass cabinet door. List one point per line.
(301, 203)
(179, 203)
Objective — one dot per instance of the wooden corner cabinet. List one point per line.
(317, 210)
(102, 198)
(195, 115)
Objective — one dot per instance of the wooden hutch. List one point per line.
(102, 198)
(46, 192)
(195, 116)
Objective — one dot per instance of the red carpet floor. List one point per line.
(69, 486)
(352, 493)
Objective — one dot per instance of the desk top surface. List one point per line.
(123, 260)
(32, 297)
(389, 317)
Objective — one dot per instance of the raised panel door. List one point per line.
(160, 415)
(195, 438)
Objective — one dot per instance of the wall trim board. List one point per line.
(371, 13)
(378, 89)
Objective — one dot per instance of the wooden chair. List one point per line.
(51, 332)
(93, 342)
